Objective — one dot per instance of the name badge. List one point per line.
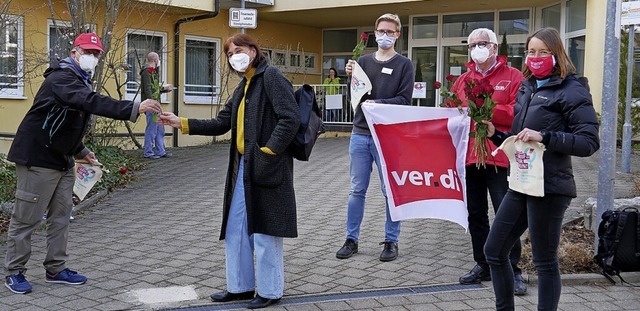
(386, 70)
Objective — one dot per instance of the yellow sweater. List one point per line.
(240, 136)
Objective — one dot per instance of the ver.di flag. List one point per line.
(422, 154)
(360, 85)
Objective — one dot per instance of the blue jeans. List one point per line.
(269, 267)
(478, 181)
(153, 138)
(543, 216)
(363, 153)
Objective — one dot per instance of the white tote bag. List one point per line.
(87, 175)
(526, 170)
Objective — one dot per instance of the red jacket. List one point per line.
(506, 82)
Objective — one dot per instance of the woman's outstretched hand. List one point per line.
(168, 118)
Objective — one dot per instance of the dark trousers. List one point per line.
(543, 216)
(479, 180)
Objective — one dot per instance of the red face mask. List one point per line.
(541, 67)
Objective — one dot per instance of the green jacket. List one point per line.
(147, 74)
(332, 90)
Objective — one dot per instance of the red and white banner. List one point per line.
(422, 154)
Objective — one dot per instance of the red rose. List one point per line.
(364, 36)
(123, 170)
(488, 89)
(477, 90)
(450, 78)
(151, 70)
(479, 102)
(437, 85)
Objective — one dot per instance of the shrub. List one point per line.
(113, 159)
(7, 180)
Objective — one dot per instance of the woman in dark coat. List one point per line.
(553, 107)
(259, 201)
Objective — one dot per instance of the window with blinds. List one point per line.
(139, 44)
(201, 70)
(11, 47)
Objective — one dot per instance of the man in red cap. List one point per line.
(45, 147)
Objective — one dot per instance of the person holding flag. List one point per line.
(391, 77)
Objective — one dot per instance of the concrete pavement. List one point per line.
(154, 245)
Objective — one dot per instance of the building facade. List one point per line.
(304, 38)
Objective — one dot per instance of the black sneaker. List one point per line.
(347, 250)
(389, 252)
(475, 276)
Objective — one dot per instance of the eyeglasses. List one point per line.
(381, 32)
(541, 53)
(481, 44)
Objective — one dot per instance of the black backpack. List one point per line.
(618, 243)
(311, 125)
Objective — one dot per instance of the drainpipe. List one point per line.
(176, 59)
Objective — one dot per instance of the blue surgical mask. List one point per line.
(385, 42)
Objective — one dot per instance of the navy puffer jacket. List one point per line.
(563, 108)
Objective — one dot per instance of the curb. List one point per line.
(89, 202)
(588, 279)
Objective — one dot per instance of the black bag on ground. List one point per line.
(311, 125)
(618, 243)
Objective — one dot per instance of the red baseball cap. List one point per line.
(88, 41)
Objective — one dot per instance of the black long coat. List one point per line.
(271, 119)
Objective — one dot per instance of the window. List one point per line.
(342, 40)
(551, 16)
(576, 15)
(61, 36)
(310, 61)
(514, 23)
(11, 46)
(139, 43)
(576, 53)
(294, 60)
(461, 25)
(279, 58)
(201, 70)
(425, 27)
(575, 24)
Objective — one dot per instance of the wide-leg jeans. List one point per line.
(268, 275)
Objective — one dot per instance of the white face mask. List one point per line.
(480, 54)
(88, 62)
(385, 42)
(240, 62)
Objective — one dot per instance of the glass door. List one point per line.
(425, 60)
(454, 60)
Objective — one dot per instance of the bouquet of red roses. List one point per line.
(478, 94)
(481, 106)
